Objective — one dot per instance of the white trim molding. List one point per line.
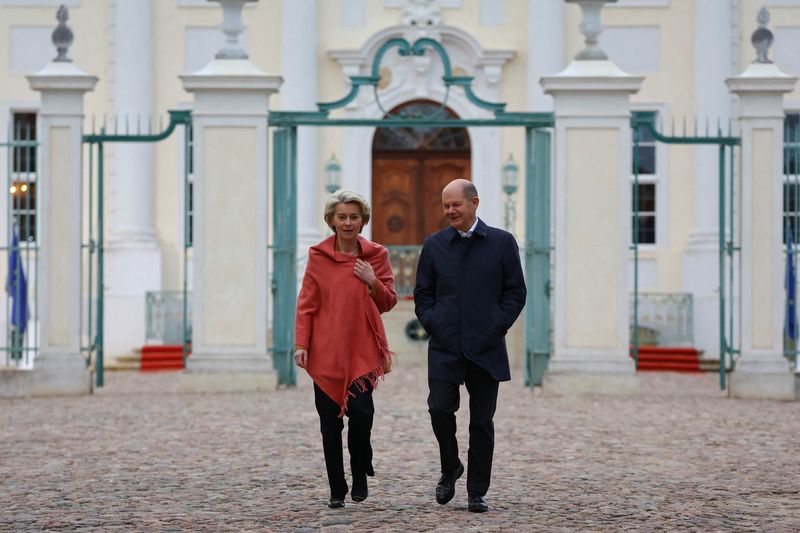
(660, 178)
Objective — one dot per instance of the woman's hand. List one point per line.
(301, 357)
(364, 272)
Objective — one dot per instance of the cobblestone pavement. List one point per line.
(137, 456)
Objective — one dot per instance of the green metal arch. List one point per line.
(407, 49)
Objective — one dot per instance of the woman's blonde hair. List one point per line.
(346, 197)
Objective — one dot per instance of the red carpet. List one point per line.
(668, 359)
(158, 358)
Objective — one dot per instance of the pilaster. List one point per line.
(545, 49)
(762, 371)
(300, 93)
(231, 296)
(713, 63)
(592, 223)
(133, 255)
(59, 367)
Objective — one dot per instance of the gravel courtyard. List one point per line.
(139, 456)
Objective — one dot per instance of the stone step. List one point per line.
(668, 359)
(163, 357)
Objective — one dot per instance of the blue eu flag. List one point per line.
(17, 288)
(790, 284)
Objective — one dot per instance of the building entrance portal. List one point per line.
(410, 166)
(417, 148)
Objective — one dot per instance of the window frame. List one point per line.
(789, 179)
(182, 190)
(28, 177)
(659, 179)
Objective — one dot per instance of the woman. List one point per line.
(340, 339)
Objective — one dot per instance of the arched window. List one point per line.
(396, 139)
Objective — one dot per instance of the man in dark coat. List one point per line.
(470, 290)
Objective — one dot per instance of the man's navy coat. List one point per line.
(468, 294)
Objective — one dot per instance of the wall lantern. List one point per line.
(333, 174)
(510, 175)
(510, 181)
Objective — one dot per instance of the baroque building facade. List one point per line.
(683, 50)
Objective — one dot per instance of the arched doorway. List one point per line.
(410, 166)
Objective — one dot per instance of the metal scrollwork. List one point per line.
(406, 49)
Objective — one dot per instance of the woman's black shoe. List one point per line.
(359, 492)
(336, 503)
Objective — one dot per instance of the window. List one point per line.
(23, 179)
(190, 214)
(647, 213)
(643, 230)
(791, 176)
(189, 205)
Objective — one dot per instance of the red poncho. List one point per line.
(339, 322)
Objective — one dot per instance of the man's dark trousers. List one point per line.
(443, 402)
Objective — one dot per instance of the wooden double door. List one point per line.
(407, 194)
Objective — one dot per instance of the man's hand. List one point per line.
(364, 272)
(301, 357)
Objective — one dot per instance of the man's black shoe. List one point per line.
(336, 503)
(446, 488)
(477, 504)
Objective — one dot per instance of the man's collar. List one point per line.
(478, 228)
(469, 232)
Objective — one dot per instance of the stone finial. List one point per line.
(762, 38)
(591, 27)
(62, 35)
(232, 26)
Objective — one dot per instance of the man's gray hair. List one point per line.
(343, 196)
(470, 191)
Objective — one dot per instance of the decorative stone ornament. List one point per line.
(762, 38)
(422, 18)
(422, 14)
(62, 35)
(591, 27)
(232, 26)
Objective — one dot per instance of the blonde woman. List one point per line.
(340, 339)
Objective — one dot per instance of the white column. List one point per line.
(545, 49)
(300, 93)
(762, 371)
(132, 252)
(592, 220)
(59, 367)
(231, 293)
(713, 63)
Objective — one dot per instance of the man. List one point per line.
(469, 292)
